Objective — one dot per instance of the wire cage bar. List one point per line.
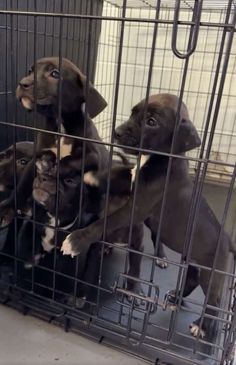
(129, 50)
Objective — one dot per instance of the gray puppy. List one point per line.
(158, 127)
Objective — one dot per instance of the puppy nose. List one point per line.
(44, 178)
(25, 83)
(118, 132)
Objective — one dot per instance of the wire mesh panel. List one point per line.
(122, 290)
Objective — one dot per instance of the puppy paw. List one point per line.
(67, 247)
(138, 294)
(195, 330)
(170, 300)
(161, 262)
(80, 302)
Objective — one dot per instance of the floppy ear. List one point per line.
(95, 102)
(187, 138)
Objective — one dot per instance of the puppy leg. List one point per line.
(208, 326)
(161, 256)
(192, 281)
(135, 262)
(90, 274)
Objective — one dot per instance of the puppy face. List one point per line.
(157, 127)
(45, 183)
(46, 75)
(24, 153)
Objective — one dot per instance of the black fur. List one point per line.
(73, 121)
(152, 177)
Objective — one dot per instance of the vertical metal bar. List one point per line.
(59, 121)
(14, 115)
(226, 209)
(197, 183)
(153, 48)
(34, 137)
(84, 135)
(116, 94)
(177, 121)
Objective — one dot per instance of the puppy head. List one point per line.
(24, 153)
(47, 80)
(158, 126)
(45, 183)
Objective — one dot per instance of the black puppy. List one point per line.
(11, 168)
(45, 190)
(158, 127)
(73, 99)
(23, 155)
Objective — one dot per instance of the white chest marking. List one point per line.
(143, 160)
(49, 235)
(65, 148)
(90, 179)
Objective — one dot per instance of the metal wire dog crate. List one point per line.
(128, 47)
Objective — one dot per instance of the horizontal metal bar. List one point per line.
(118, 19)
(109, 144)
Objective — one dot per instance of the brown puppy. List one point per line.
(45, 100)
(207, 239)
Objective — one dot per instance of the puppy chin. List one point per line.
(27, 103)
(40, 196)
(128, 143)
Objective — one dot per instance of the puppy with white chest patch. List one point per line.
(45, 193)
(45, 190)
(158, 128)
(73, 120)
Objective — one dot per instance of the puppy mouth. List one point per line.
(41, 195)
(27, 103)
(126, 142)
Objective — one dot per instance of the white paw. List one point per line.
(28, 265)
(161, 262)
(66, 247)
(195, 330)
(80, 302)
(172, 307)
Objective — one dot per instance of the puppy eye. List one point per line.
(69, 181)
(22, 161)
(55, 74)
(152, 122)
(30, 71)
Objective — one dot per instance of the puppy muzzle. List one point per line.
(41, 196)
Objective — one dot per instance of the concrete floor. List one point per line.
(25, 340)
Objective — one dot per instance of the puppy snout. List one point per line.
(119, 132)
(26, 83)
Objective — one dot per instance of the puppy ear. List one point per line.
(95, 102)
(187, 138)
